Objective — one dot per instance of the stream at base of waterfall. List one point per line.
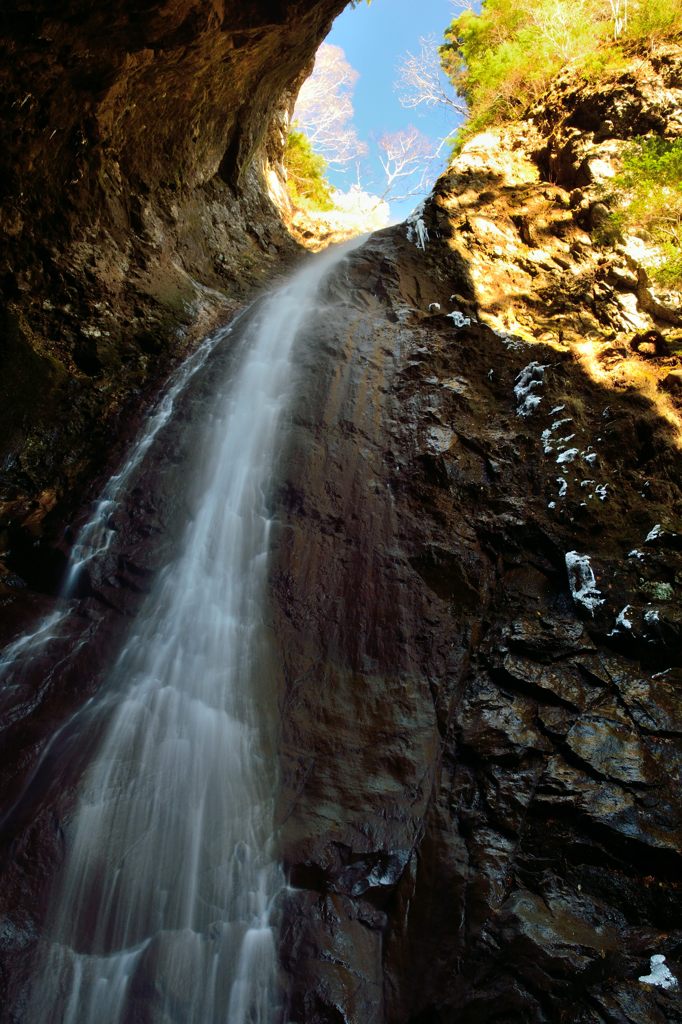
(162, 910)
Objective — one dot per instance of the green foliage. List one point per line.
(306, 180)
(655, 19)
(502, 59)
(650, 185)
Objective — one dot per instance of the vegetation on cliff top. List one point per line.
(651, 186)
(504, 58)
(306, 180)
(501, 60)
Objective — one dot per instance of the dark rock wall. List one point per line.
(480, 808)
(480, 776)
(131, 183)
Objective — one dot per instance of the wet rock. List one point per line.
(479, 812)
(605, 742)
(547, 638)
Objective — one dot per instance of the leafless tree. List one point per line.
(421, 80)
(619, 10)
(324, 108)
(407, 157)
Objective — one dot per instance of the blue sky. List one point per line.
(374, 38)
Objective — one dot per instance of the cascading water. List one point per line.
(162, 911)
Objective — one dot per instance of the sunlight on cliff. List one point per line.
(630, 373)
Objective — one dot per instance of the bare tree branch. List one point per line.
(407, 156)
(421, 81)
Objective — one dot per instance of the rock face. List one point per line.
(136, 141)
(478, 610)
(480, 810)
(476, 583)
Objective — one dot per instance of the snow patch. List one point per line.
(546, 438)
(563, 486)
(600, 491)
(582, 581)
(654, 533)
(635, 554)
(567, 456)
(552, 504)
(659, 975)
(527, 382)
(434, 307)
(590, 457)
(556, 409)
(651, 615)
(511, 341)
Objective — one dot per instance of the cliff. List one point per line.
(478, 599)
(475, 590)
(133, 216)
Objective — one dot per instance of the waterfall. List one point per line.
(162, 910)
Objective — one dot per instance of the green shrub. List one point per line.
(501, 59)
(306, 180)
(649, 195)
(655, 19)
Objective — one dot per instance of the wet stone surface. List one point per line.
(453, 720)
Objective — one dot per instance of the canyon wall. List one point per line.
(133, 215)
(475, 588)
(477, 598)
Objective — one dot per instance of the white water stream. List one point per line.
(162, 910)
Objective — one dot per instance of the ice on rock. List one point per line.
(439, 439)
(552, 504)
(563, 486)
(590, 457)
(556, 409)
(582, 581)
(459, 320)
(527, 382)
(635, 554)
(622, 620)
(547, 438)
(568, 456)
(654, 533)
(659, 973)
(434, 307)
(511, 341)
(416, 228)
(600, 491)
(651, 615)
